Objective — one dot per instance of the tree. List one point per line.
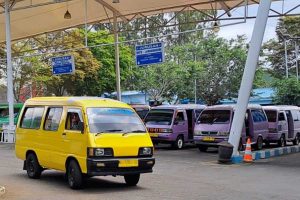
(36, 70)
(287, 91)
(215, 63)
(79, 83)
(158, 81)
(106, 56)
(274, 49)
(217, 66)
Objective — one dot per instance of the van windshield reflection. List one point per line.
(214, 117)
(159, 117)
(114, 120)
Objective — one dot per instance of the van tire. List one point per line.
(33, 168)
(259, 143)
(179, 143)
(296, 140)
(74, 175)
(132, 179)
(281, 141)
(202, 148)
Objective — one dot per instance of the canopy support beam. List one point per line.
(117, 58)
(115, 11)
(249, 73)
(10, 93)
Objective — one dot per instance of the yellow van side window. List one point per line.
(53, 119)
(32, 117)
(73, 118)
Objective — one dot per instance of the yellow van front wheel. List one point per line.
(34, 170)
(132, 179)
(74, 175)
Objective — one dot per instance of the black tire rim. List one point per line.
(31, 165)
(71, 173)
(282, 142)
(260, 144)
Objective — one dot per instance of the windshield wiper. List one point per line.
(109, 131)
(135, 131)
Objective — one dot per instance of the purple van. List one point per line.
(214, 123)
(173, 124)
(284, 124)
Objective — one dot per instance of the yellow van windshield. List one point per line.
(114, 120)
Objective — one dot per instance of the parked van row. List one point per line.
(208, 126)
(83, 137)
(214, 124)
(173, 124)
(284, 124)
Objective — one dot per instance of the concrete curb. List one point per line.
(268, 153)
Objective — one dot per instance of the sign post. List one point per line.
(149, 54)
(63, 65)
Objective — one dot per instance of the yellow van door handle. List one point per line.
(64, 134)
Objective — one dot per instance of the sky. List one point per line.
(246, 28)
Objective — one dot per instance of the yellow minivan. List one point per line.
(84, 137)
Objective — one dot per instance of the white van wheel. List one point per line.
(282, 142)
(178, 144)
(296, 140)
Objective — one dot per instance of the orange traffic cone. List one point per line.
(248, 153)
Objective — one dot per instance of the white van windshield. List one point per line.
(214, 117)
(110, 120)
(159, 117)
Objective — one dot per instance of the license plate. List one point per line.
(129, 163)
(208, 139)
(153, 134)
(153, 130)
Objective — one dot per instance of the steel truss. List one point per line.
(48, 42)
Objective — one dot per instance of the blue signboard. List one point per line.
(63, 65)
(149, 54)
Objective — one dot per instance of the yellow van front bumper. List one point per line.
(119, 166)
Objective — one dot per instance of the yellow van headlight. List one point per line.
(100, 152)
(145, 151)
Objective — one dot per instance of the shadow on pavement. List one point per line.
(93, 184)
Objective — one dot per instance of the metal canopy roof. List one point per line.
(34, 17)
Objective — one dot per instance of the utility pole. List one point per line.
(296, 53)
(195, 91)
(286, 59)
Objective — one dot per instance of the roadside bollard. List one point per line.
(225, 152)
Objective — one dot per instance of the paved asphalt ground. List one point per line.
(185, 174)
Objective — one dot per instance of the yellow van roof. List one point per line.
(76, 101)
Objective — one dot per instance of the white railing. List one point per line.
(7, 134)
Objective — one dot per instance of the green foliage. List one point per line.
(287, 91)
(263, 78)
(159, 81)
(274, 49)
(106, 56)
(215, 63)
(79, 83)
